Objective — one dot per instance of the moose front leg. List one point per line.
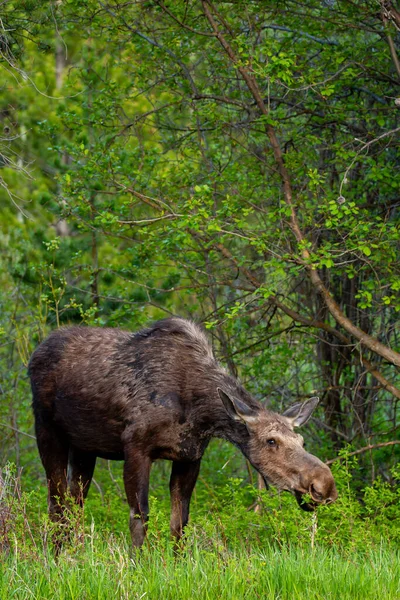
(183, 479)
(136, 480)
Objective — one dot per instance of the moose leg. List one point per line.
(183, 479)
(53, 450)
(80, 472)
(136, 480)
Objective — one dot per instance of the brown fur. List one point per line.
(156, 394)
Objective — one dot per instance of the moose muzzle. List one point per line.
(319, 484)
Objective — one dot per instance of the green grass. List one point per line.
(347, 550)
(105, 569)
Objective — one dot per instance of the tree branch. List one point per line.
(329, 329)
(311, 322)
(17, 430)
(391, 13)
(363, 337)
(388, 15)
(361, 450)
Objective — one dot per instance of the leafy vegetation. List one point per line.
(349, 550)
(236, 163)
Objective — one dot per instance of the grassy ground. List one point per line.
(105, 570)
(349, 550)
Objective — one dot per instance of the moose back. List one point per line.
(156, 394)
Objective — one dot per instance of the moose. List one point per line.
(157, 394)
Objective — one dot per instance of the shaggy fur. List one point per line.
(155, 394)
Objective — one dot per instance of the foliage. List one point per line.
(139, 178)
(154, 174)
(345, 551)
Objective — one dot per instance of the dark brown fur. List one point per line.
(155, 394)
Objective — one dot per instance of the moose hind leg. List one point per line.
(53, 449)
(183, 479)
(80, 472)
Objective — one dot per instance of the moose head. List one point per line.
(277, 452)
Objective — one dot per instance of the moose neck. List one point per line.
(216, 420)
(234, 432)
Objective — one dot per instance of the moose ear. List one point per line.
(236, 409)
(300, 412)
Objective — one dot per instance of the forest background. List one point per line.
(231, 162)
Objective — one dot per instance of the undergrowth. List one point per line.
(346, 550)
(102, 568)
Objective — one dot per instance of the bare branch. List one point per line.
(311, 322)
(17, 430)
(361, 450)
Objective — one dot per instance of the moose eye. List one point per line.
(271, 442)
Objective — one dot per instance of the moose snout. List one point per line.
(319, 483)
(323, 491)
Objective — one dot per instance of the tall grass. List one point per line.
(104, 569)
(349, 550)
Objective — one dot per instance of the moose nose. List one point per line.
(321, 485)
(317, 496)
